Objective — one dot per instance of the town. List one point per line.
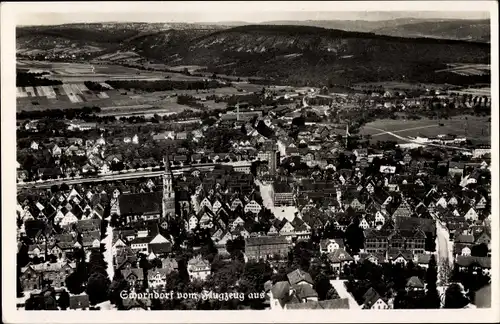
(135, 181)
(249, 200)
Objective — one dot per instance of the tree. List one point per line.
(432, 296)
(255, 275)
(401, 300)
(300, 256)
(97, 288)
(299, 121)
(75, 283)
(454, 297)
(63, 301)
(480, 250)
(445, 271)
(118, 285)
(354, 237)
(322, 286)
(145, 266)
(97, 263)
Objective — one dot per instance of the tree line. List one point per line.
(29, 79)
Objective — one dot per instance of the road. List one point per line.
(413, 141)
(343, 293)
(108, 253)
(265, 193)
(444, 248)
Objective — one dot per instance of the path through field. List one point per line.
(413, 141)
(402, 130)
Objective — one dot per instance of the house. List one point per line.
(375, 258)
(399, 256)
(137, 303)
(471, 215)
(422, 260)
(146, 243)
(79, 302)
(133, 276)
(300, 277)
(198, 268)
(34, 275)
(34, 146)
(483, 237)
(339, 303)
(339, 258)
(330, 245)
(456, 168)
(253, 207)
(56, 151)
(304, 293)
(279, 294)
(157, 277)
(373, 301)
(414, 283)
(478, 264)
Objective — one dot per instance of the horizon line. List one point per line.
(245, 22)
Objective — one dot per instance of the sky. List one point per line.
(252, 12)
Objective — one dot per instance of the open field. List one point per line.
(79, 72)
(474, 91)
(479, 129)
(467, 69)
(398, 85)
(71, 96)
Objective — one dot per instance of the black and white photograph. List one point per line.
(265, 160)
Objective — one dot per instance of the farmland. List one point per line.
(467, 69)
(475, 128)
(79, 72)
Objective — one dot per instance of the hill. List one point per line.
(308, 55)
(455, 29)
(468, 30)
(296, 54)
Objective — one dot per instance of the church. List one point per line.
(150, 205)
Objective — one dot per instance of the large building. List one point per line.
(150, 205)
(264, 247)
(282, 194)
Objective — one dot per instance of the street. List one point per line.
(108, 254)
(266, 194)
(343, 293)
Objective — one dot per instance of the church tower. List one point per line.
(168, 203)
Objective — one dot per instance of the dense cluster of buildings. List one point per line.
(272, 192)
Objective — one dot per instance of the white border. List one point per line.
(10, 315)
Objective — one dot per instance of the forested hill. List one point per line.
(294, 54)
